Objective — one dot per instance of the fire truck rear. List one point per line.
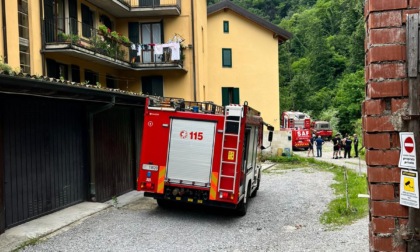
(201, 153)
(299, 124)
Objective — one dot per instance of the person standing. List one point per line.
(347, 147)
(311, 145)
(336, 145)
(319, 142)
(339, 145)
(356, 146)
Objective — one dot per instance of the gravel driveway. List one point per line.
(283, 217)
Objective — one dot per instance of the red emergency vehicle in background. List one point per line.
(299, 124)
(323, 129)
(201, 153)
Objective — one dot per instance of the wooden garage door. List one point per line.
(44, 156)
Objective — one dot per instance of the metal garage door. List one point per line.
(44, 156)
(114, 158)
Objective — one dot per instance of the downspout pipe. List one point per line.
(92, 145)
(193, 51)
(3, 10)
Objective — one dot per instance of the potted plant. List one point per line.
(103, 30)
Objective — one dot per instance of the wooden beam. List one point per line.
(413, 109)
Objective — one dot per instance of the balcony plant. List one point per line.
(64, 37)
(103, 30)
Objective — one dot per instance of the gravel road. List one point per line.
(283, 217)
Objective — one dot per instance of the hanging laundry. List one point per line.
(175, 48)
(158, 49)
(139, 48)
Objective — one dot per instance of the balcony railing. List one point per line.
(134, 8)
(72, 37)
(150, 3)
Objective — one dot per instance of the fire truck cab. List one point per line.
(201, 153)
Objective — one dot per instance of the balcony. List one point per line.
(103, 46)
(139, 8)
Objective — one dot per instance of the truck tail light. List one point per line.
(226, 195)
(147, 185)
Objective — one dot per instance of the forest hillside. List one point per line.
(322, 66)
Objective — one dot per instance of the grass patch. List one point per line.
(27, 243)
(338, 213)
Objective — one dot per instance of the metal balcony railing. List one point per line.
(84, 38)
(151, 3)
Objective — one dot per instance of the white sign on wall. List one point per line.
(408, 151)
(409, 189)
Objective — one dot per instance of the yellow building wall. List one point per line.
(12, 34)
(254, 64)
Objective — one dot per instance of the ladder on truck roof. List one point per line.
(230, 147)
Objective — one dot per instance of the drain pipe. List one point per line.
(193, 52)
(3, 10)
(92, 146)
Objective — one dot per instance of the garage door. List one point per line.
(44, 156)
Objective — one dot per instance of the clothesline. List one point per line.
(158, 49)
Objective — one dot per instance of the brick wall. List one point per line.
(386, 98)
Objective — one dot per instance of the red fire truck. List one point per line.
(323, 129)
(300, 126)
(201, 153)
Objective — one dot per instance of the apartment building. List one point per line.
(244, 60)
(145, 46)
(73, 80)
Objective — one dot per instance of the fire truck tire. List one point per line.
(162, 203)
(243, 205)
(254, 193)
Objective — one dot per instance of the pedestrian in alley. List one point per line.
(336, 145)
(347, 146)
(356, 146)
(340, 145)
(319, 142)
(311, 145)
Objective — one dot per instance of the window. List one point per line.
(75, 73)
(24, 50)
(151, 33)
(111, 81)
(226, 57)
(87, 21)
(230, 95)
(57, 70)
(91, 77)
(226, 26)
(152, 85)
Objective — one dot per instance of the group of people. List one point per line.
(339, 144)
(346, 143)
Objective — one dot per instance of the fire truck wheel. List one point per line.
(162, 203)
(242, 207)
(254, 193)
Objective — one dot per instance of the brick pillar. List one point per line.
(386, 98)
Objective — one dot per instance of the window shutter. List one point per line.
(225, 96)
(73, 16)
(49, 20)
(235, 96)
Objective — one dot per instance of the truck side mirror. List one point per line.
(270, 136)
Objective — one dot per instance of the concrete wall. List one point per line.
(281, 142)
